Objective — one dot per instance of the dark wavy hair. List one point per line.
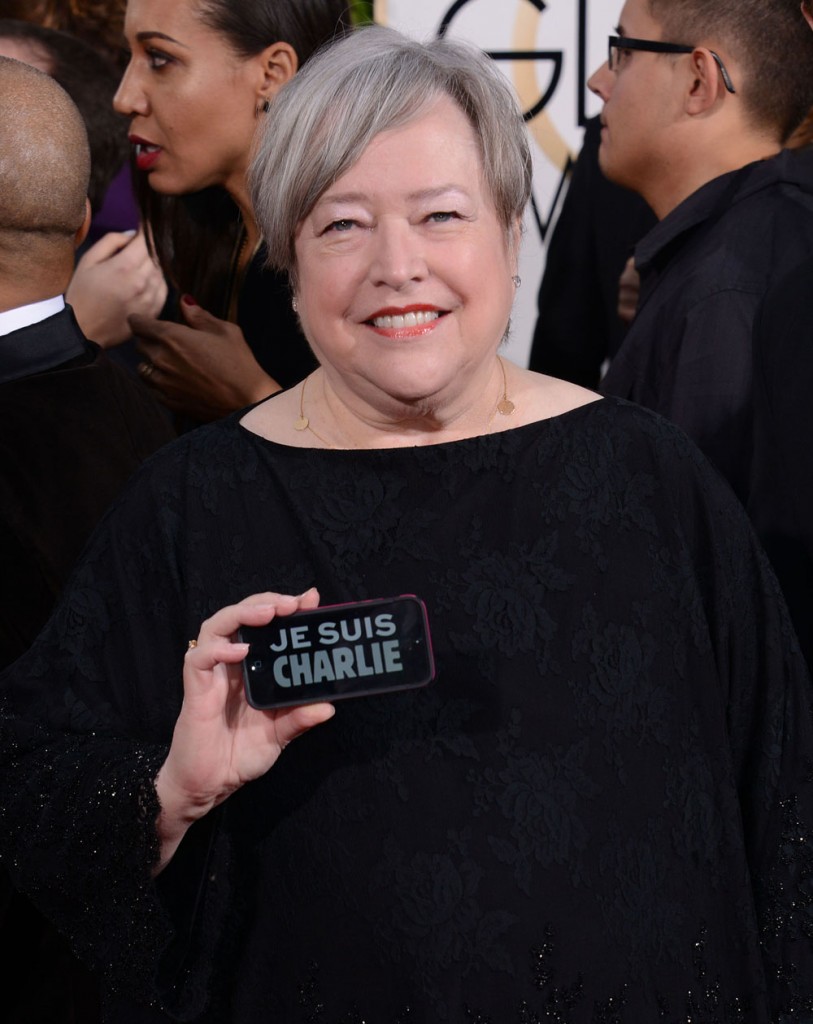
(194, 236)
(99, 23)
(91, 82)
(768, 38)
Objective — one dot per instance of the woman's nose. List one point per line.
(129, 98)
(398, 255)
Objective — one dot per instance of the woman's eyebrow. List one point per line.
(420, 194)
(142, 37)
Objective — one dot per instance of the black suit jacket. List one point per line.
(70, 436)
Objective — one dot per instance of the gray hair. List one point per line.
(373, 81)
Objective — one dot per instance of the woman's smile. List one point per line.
(411, 321)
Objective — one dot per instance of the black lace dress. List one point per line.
(600, 811)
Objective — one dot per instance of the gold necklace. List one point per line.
(504, 407)
(303, 423)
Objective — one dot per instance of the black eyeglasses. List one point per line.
(619, 43)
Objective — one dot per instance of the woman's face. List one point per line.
(191, 100)
(404, 269)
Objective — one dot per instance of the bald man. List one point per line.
(73, 427)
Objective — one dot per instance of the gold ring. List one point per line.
(192, 643)
(145, 369)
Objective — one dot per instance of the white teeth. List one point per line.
(142, 147)
(416, 319)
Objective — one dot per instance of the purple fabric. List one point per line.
(119, 211)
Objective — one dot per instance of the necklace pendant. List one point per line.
(506, 407)
(302, 423)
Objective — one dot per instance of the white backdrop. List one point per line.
(547, 48)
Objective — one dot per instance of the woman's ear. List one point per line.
(278, 63)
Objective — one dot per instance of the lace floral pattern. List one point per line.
(599, 813)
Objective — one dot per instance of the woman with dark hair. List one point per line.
(201, 77)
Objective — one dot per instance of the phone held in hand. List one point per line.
(343, 650)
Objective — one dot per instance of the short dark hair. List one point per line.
(193, 235)
(91, 82)
(768, 38)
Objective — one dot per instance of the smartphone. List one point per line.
(342, 650)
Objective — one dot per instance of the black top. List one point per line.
(780, 498)
(73, 428)
(601, 810)
(704, 269)
(578, 326)
(270, 326)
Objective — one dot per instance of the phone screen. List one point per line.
(346, 650)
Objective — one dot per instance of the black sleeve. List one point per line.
(578, 326)
(768, 703)
(86, 719)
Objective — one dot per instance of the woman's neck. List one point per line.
(339, 420)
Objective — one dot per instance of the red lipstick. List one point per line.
(146, 153)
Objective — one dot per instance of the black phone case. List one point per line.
(338, 651)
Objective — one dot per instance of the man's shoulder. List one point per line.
(776, 192)
(739, 235)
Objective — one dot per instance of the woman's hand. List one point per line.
(220, 742)
(204, 370)
(115, 278)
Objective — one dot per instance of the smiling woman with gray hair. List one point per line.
(599, 810)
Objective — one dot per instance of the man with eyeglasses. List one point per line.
(699, 98)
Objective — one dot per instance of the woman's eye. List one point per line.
(442, 216)
(341, 225)
(157, 59)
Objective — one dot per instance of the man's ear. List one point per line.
(82, 233)
(279, 63)
(706, 83)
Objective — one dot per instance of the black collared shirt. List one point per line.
(704, 269)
